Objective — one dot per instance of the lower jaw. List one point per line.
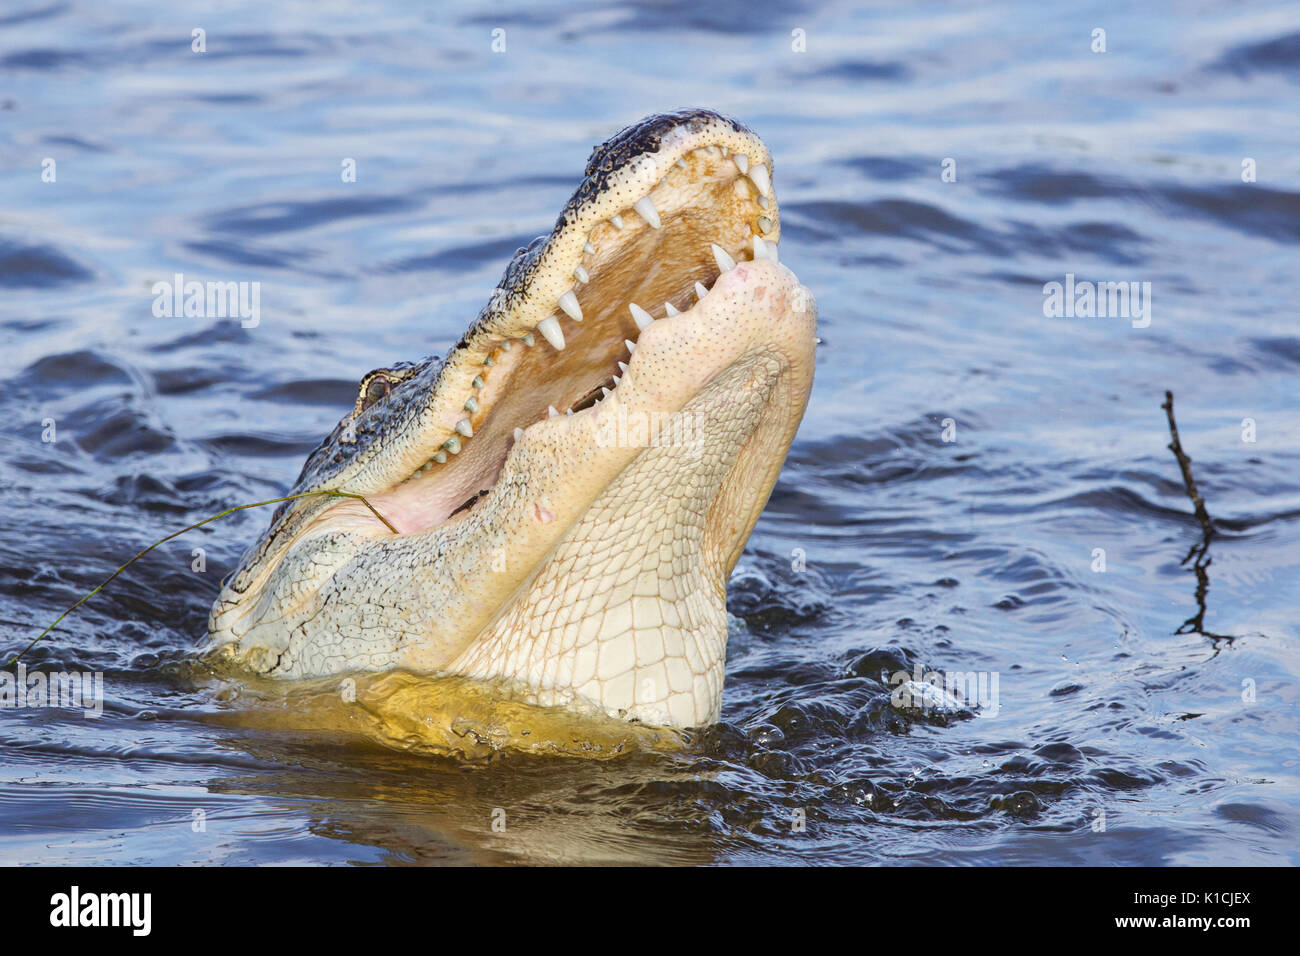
(559, 467)
(627, 616)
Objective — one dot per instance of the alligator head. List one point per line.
(566, 494)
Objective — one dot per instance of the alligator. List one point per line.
(557, 505)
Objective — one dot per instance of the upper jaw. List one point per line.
(551, 282)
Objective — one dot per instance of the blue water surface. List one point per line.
(976, 487)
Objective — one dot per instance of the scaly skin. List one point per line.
(591, 571)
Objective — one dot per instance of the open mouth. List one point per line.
(538, 543)
(652, 260)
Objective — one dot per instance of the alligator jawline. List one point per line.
(532, 550)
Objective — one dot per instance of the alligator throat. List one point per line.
(574, 483)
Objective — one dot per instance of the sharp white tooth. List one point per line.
(529, 340)
(471, 404)
(759, 251)
(764, 223)
(681, 163)
(724, 261)
(622, 367)
(724, 151)
(668, 307)
(713, 150)
(463, 429)
(616, 381)
(505, 346)
(759, 177)
(647, 211)
(519, 433)
(550, 329)
(551, 412)
(581, 274)
(604, 392)
(616, 222)
(568, 411)
(631, 346)
(700, 291)
(569, 303)
(588, 248)
(423, 468)
(741, 161)
(478, 379)
(452, 445)
(440, 457)
(762, 201)
(640, 316)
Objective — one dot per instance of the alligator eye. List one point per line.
(377, 384)
(375, 390)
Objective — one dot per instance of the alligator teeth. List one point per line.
(440, 457)
(604, 392)
(759, 177)
(616, 222)
(478, 379)
(765, 223)
(569, 303)
(423, 468)
(640, 316)
(471, 404)
(646, 210)
(551, 412)
(741, 161)
(668, 307)
(724, 151)
(568, 411)
(529, 340)
(581, 274)
(588, 248)
(463, 429)
(631, 346)
(452, 445)
(681, 163)
(519, 433)
(505, 346)
(724, 261)
(622, 367)
(700, 291)
(550, 329)
(762, 201)
(764, 250)
(616, 381)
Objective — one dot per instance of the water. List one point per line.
(1117, 739)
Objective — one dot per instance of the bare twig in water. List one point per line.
(1189, 482)
(1200, 550)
